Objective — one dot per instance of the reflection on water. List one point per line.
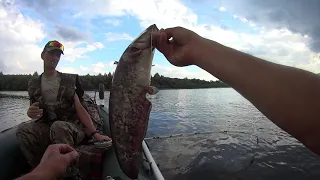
(240, 143)
(13, 109)
(232, 155)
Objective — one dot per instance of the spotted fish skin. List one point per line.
(129, 109)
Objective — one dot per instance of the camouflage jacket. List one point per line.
(65, 109)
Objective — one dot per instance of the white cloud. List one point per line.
(113, 22)
(222, 9)
(19, 36)
(21, 53)
(181, 72)
(118, 36)
(71, 70)
(281, 46)
(74, 52)
(93, 69)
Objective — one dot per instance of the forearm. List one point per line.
(38, 174)
(85, 119)
(287, 96)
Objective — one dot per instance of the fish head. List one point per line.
(138, 56)
(141, 48)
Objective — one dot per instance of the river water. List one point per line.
(217, 134)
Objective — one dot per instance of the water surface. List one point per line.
(223, 137)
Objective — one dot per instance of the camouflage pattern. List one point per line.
(93, 110)
(34, 137)
(65, 109)
(129, 109)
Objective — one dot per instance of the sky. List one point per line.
(96, 32)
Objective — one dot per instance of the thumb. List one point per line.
(71, 156)
(35, 104)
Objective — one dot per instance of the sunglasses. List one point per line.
(56, 44)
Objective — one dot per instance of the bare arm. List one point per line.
(38, 174)
(86, 120)
(83, 115)
(288, 96)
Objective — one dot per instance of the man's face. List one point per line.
(51, 59)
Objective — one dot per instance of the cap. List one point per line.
(52, 45)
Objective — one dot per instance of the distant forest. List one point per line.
(9, 82)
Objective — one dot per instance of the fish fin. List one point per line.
(152, 90)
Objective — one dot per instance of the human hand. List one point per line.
(34, 111)
(100, 137)
(56, 159)
(182, 49)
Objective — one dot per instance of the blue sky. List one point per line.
(96, 33)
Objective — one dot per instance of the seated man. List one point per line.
(54, 103)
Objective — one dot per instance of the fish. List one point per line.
(129, 108)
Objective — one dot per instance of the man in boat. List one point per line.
(56, 104)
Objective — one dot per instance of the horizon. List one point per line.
(96, 33)
(31, 74)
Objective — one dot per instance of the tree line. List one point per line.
(19, 82)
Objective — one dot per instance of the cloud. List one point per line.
(70, 33)
(113, 22)
(19, 36)
(222, 9)
(77, 50)
(181, 72)
(284, 32)
(298, 16)
(22, 35)
(93, 69)
(118, 36)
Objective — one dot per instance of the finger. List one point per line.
(64, 148)
(36, 112)
(71, 156)
(35, 104)
(33, 107)
(165, 47)
(106, 138)
(170, 31)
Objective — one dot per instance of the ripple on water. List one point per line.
(239, 143)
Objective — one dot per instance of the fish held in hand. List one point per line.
(129, 109)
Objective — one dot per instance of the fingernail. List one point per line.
(75, 155)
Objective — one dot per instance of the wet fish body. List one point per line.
(129, 109)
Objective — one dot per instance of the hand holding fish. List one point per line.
(182, 49)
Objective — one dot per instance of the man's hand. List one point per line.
(182, 49)
(58, 157)
(54, 162)
(34, 111)
(100, 137)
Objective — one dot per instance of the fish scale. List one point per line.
(129, 109)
